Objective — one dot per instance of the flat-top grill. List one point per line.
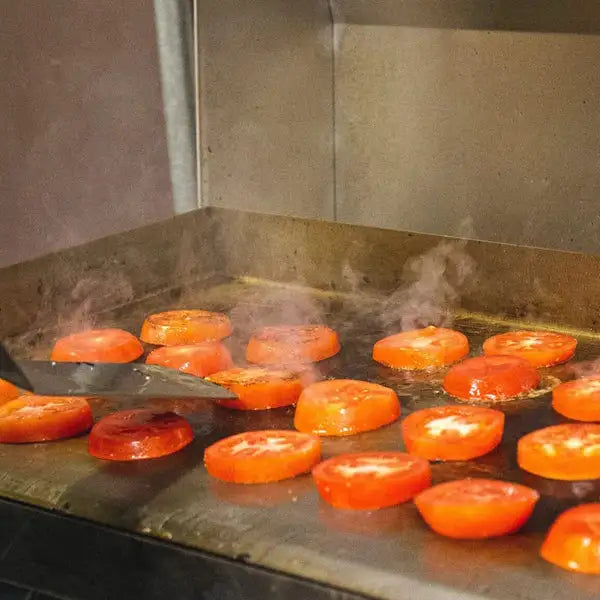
(285, 273)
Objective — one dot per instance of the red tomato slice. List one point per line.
(196, 359)
(573, 541)
(452, 432)
(568, 452)
(421, 348)
(43, 418)
(490, 378)
(8, 391)
(289, 344)
(138, 434)
(579, 399)
(259, 388)
(180, 327)
(262, 456)
(371, 480)
(476, 508)
(98, 345)
(345, 407)
(540, 348)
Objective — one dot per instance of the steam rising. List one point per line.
(429, 292)
(89, 297)
(585, 368)
(287, 306)
(92, 295)
(433, 284)
(430, 289)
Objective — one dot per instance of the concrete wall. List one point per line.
(82, 149)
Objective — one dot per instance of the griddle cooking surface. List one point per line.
(284, 526)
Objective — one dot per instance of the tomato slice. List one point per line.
(345, 407)
(573, 541)
(371, 480)
(452, 432)
(180, 327)
(98, 345)
(476, 508)
(421, 348)
(289, 344)
(490, 378)
(33, 418)
(262, 456)
(196, 359)
(8, 391)
(138, 434)
(579, 399)
(540, 348)
(568, 452)
(259, 388)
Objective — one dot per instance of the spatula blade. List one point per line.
(50, 378)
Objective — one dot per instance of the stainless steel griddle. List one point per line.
(263, 269)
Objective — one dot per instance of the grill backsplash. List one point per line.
(115, 278)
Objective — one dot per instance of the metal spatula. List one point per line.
(48, 378)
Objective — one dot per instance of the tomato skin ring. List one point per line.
(578, 399)
(260, 388)
(490, 379)
(32, 418)
(340, 407)
(483, 429)
(430, 347)
(573, 540)
(139, 434)
(201, 359)
(292, 344)
(184, 327)
(567, 452)
(539, 348)
(369, 491)
(453, 510)
(262, 456)
(98, 345)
